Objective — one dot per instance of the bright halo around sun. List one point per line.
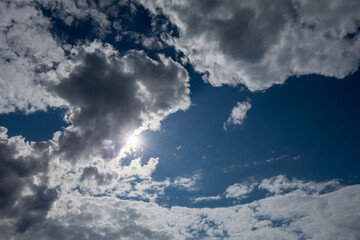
(133, 141)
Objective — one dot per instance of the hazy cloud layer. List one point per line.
(260, 43)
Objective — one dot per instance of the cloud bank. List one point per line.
(261, 43)
(295, 214)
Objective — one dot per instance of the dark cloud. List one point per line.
(110, 97)
(23, 200)
(93, 173)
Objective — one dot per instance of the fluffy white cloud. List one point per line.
(238, 114)
(261, 43)
(239, 191)
(27, 52)
(292, 215)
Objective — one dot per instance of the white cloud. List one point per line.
(239, 191)
(208, 198)
(238, 114)
(261, 43)
(188, 183)
(294, 215)
(27, 53)
(281, 184)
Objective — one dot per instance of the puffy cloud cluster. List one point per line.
(291, 215)
(108, 98)
(111, 96)
(78, 185)
(25, 197)
(261, 43)
(27, 52)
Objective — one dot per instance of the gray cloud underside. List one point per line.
(261, 43)
(110, 97)
(25, 197)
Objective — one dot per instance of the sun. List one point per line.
(133, 141)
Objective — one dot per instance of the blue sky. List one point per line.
(244, 114)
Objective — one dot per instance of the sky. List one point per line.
(167, 119)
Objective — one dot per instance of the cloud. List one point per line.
(261, 43)
(291, 215)
(240, 191)
(78, 185)
(188, 183)
(73, 13)
(28, 53)
(24, 196)
(238, 114)
(208, 198)
(110, 97)
(281, 184)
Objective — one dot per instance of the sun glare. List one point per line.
(133, 141)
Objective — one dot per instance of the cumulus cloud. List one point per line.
(27, 53)
(240, 190)
(261, 43)
(291, 215)
(78, 185)
(24, 196)
(110, 97)
(238, 114)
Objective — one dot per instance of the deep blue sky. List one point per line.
(307, 128)
(256, 139)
